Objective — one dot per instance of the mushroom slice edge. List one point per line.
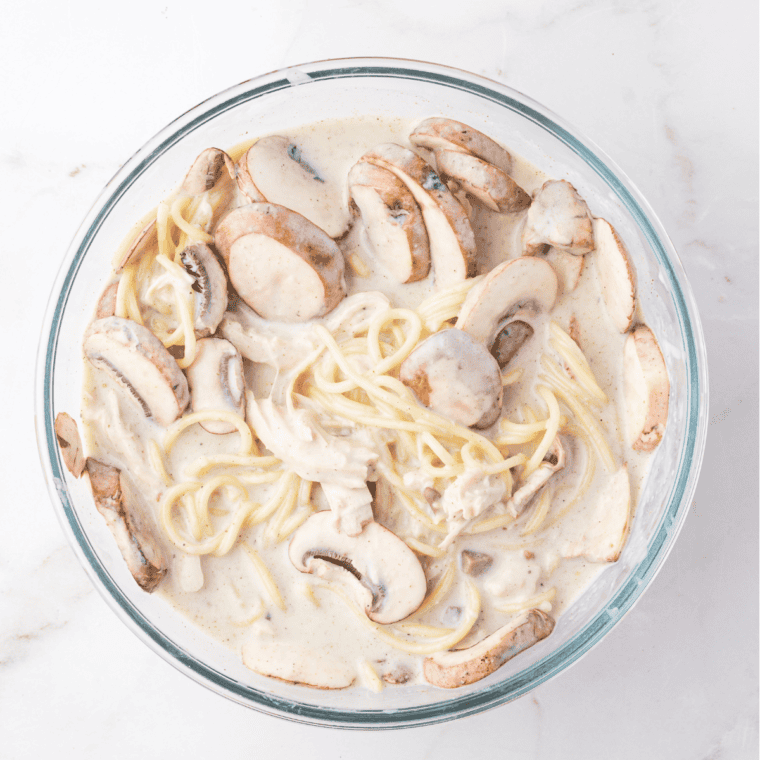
(515, 286)
(139, 362)
(143, 240)
(459, 667)
(70, 443)
(486, 183)
(205, 171)
(210, 287)
(392, 220)
(439, 132)
(136, 543)
(616, 275)
(452, 241)
(647, 389)
(608, 524)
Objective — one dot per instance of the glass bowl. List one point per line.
(411, 90)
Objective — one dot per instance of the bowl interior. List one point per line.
(411, 91)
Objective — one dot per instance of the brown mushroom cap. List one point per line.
(283, 266)
(67, 434)
(145, 239)
(456, 376)
(485, 182)
(206, 171)
(210, 287)
(647, 389)
(616, 275)
(460, 667)
(245, 183)
(140, 363)
(136, 544)
(107, 302)
(393, 221)
(558, 217)
(439, 132)
(452, 241)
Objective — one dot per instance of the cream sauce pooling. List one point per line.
(231, 602)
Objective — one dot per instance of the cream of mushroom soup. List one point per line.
(370, 402)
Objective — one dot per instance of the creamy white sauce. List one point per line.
(226, 597)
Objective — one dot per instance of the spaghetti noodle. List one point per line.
(229, 504)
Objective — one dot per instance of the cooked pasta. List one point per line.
(312, 427)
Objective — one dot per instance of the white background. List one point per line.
(668, 89)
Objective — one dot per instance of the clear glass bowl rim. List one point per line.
(449, 707)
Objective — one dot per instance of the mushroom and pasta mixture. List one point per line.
(369, 402)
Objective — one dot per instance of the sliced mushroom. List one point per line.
(452, 241)
(553, 462)
(283, 266)
(510, 340)
(217, 382)
(558, 217)
(456, 376)
(206, 171)
(67, 435)
(383, 571)
(646, 389)
(607, 523)
(245, 183)
(298, 664)
(569, 268)
(393, 221)
(138, 361)
(146, 238)
(516, 287)
(107, 302)
(136, 544)
(475, 563)
(616, 276)
(210, 287)
(281, 174)
(487, 183)
(438, 133)
(459, 667)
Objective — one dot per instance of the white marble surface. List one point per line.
(667, 88)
